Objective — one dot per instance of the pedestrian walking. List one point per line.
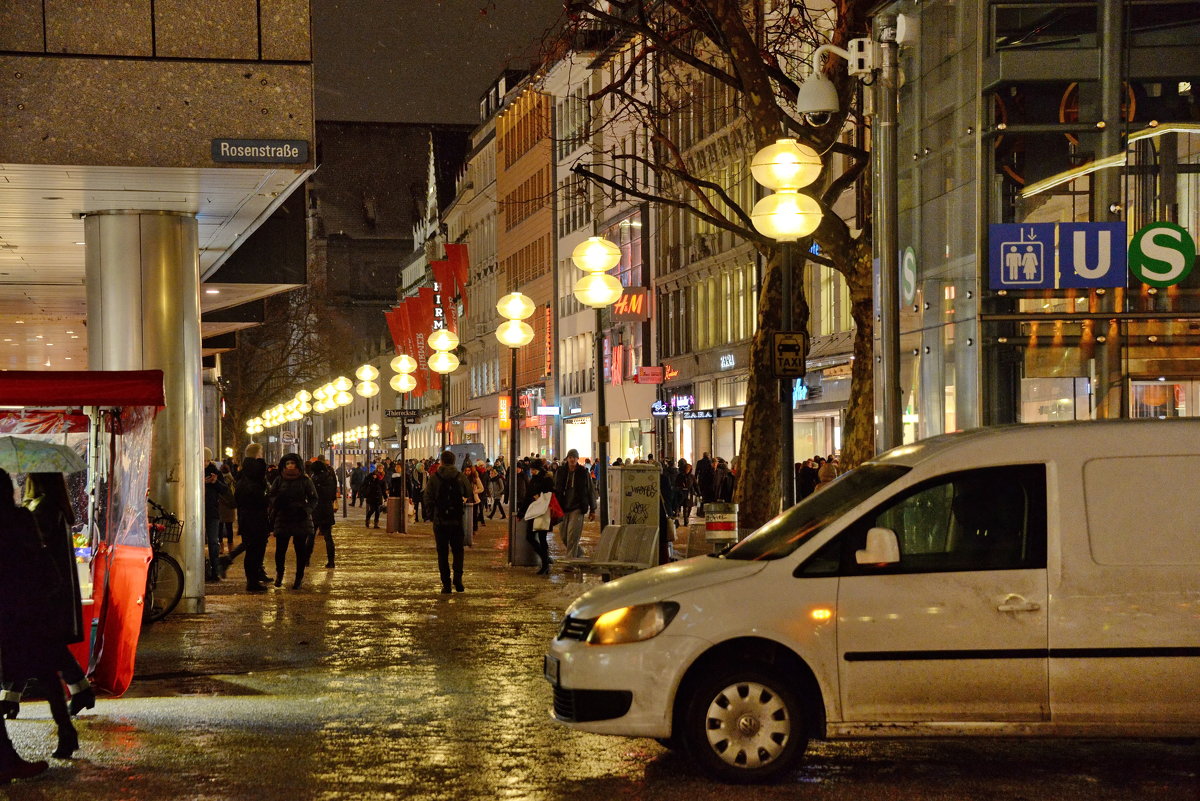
(226, 510)
(357, 477)
(573, 488)
(33, 621)
(254, 525)
(705, 480)
(214, 489)
(723, 482)
(323, 518)
(539, 482)
(417, 477)
(374, 492)
(292, 498)
(685, 490)
(446, 494)
(497, 489)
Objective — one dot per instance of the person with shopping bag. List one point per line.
(539, 498)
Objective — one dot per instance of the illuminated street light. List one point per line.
(366, 372)
(515, 333)
(443, 339)
(596, 255)
(342, 384)
(787, 164)
(403, 382)
(404, 364)
(443, 362)
(515, 306)
(598, 290)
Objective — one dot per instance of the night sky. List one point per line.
(420, 60)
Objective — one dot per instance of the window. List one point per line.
(988, 519)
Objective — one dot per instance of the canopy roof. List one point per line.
(81, 388)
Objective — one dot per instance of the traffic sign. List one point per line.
(787, 354)
(1091, 255)
(908, 276)
(1162, 254)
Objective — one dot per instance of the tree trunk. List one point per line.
(858, 435)
(759, 451)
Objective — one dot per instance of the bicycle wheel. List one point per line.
(164, 587)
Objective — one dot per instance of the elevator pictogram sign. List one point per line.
(1056, 255)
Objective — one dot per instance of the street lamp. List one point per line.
(338, 390)
(367, 389)
(599, 290)
(786, 215)
(513, 334)
(402, 382)
(443, 362)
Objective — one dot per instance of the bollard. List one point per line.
(720, 524)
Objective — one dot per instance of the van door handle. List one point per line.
(1015, 603)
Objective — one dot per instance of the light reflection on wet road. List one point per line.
(369, 684)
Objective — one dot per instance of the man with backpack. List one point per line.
(446, 494)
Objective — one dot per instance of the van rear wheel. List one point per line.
(743, 724)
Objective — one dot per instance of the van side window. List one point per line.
(992, 518)
(827, 561)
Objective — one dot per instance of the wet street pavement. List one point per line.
(369, 684)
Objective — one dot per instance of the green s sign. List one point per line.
(1162, 254)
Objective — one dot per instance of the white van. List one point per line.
(1022, 580)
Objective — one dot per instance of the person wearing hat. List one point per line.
(573, 488)
(293, 499)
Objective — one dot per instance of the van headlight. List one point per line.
(632, 623)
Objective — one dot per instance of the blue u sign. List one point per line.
(1091, 255)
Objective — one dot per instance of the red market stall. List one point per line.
(109, 416)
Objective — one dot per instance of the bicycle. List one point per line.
(164, 578)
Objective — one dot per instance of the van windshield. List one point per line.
(788, 530)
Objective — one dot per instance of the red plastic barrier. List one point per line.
(120, 584)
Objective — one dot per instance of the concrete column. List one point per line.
(143, 313)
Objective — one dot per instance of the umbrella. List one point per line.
(19, 455)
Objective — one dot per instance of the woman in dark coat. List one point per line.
(323, 518)
(540, 481)
(292, 499)
(31, 644)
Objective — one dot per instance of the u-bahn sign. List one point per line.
(787, 354)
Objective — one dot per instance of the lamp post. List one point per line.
(515, 334)
(443, 362)
(599, 290)
(403, 383)
(342, 397)
(785, 216)
(367, 389)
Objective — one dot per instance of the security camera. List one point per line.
(818, 119)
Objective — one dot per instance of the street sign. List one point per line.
(1021, 256)
(403, 415)
(261, 151)
(649, 375)
(1162, 254)
(1087, 256)
(908, 276)
(787, 354)
(1091, 255)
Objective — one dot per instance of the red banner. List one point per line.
(444, 292)
(393, 323)
(457, 256)
(422, 327)
(408, 342)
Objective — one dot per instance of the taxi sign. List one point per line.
(787, 354)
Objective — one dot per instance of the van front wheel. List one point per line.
(743, 724)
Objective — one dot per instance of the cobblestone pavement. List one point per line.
(369, 684)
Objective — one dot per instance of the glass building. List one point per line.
(1017, 123)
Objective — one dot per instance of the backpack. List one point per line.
(448, 501)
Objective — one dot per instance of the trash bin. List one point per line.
(523, 554)
(720, 523)
(395, 508)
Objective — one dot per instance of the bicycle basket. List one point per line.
(170, 529)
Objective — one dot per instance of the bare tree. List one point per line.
(727, 70)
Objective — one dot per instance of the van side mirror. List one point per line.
(882, 548)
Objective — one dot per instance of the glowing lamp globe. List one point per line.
(515, 306)
(598, 290)
(403, 382)
(304, 396)
(293, 416)
(330, 390)
(319, 393)
(342, 384)
(443, 339)
(443, 362)
(343, 398)
(787, 164)
(367, 389)
(515, 333)
(319, 407)
(404, 364)
(786, 215)
(366, 373)
(304, 408)
(596, 255)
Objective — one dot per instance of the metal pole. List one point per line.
(788, 473)
(887, 229)
(512, 452)
(343, 445)
(601, 425)
(403, 477)
(445, 404)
